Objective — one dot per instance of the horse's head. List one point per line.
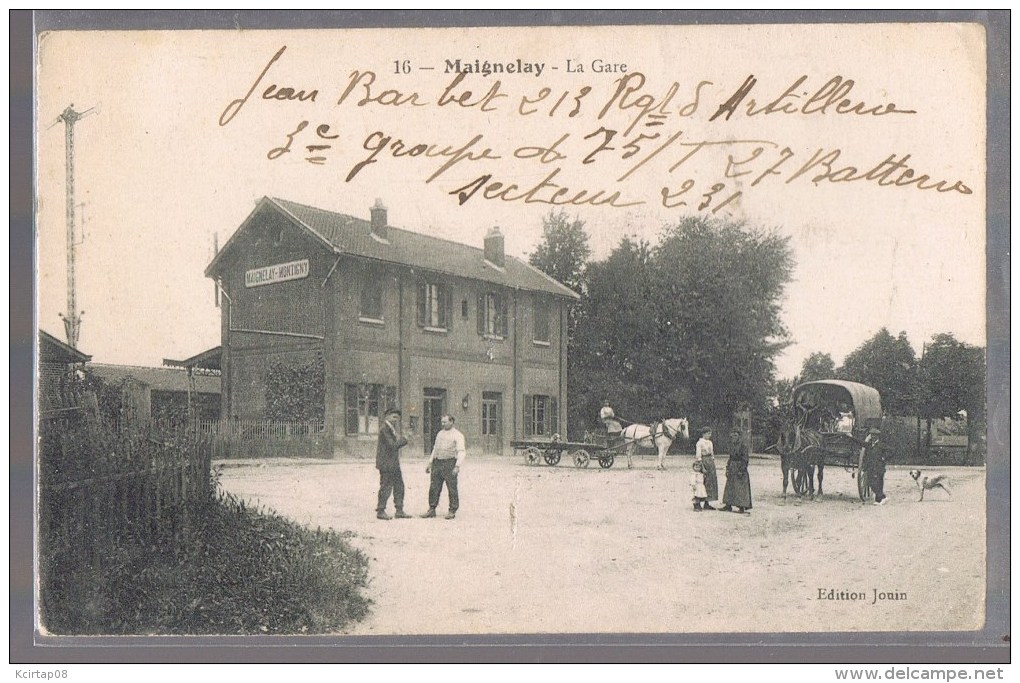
(679, 426)
(787, 436)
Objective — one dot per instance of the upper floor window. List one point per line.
(434, 310)
(371, 299)
(492, 315)
(542, 327)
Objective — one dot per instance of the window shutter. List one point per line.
(503, 315)
(447, 308)
(554, 417)
(351, 399)
(529, 415)
(371, 299)
(422, 304)
(481, 313)
(541, 315)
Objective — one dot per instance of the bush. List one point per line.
(899, 440)
(238, 571)
(296, 393)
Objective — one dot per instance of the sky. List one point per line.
(165, 163)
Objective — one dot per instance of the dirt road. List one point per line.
(562, 550)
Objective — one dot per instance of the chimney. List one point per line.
(379, 219)
(494, 247)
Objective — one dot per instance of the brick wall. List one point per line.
(391, 350)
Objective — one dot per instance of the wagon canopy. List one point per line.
(866, 401)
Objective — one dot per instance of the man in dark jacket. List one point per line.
(874, 465)
(387, 461)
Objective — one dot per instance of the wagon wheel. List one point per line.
(581, 458)
(606, 460)
(552, 457)
(863, 483)
(532, 455)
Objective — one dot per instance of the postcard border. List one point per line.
(990, 645)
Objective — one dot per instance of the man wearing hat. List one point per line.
(387, 461)
(874, 464)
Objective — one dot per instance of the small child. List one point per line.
(698, 486)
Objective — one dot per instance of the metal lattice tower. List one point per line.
(72, 320)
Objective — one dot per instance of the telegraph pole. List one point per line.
(72, 320)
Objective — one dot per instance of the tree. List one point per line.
(563, 255)
(563, 252)
(889, 364)
(720, 288)
(688, 328)
(817, 366)
(612, 353)
(952, 377)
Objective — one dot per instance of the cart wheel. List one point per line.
(552, 457)
(606, 461)
(532, 455)
(863, 483)
(581, 458)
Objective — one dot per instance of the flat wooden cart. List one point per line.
(552, 452)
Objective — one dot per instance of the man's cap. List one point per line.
(392, 411)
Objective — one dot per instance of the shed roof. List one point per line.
(207, 360)
(52, 350)
(158, 379)
(344, 234)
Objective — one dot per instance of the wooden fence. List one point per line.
(101, 492)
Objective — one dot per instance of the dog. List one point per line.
(939, 481)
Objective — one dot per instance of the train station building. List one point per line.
(393, 318)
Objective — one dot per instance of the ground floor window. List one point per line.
(366, 405)
(540, 415)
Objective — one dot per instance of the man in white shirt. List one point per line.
(447, 456)
(609, 419)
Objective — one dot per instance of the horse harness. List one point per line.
(665, 430)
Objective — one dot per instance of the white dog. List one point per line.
(939, 481)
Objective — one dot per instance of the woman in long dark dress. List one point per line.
(737, 493)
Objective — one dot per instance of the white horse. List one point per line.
(660, 434)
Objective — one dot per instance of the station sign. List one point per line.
(281, 272)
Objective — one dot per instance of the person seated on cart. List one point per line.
(806, 405)
(844, 420)
(613, 425)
